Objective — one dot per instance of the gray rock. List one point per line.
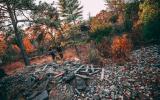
(41, 96)
(96, 97)
(80, 84)
(69, 77)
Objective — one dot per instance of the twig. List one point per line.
(102, 74)
(78, 69)
(24, 15)
(58, 75)
(77, 92)
(44, 67)
(87, 68)
(82, 76)
(95, 72)
(92, 68)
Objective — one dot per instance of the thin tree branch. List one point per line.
(14, 12)
(1, 17)
(24, 15)
(3, 7)
(3, 20)
(25, 20)
(5, 26)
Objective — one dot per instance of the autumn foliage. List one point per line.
(100, 21)
(16, 48)
(28, 45)
(3, 46)
(121, 46)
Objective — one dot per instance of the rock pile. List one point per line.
(137, 79)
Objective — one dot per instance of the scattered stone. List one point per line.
(41, 96)
(137, 79)
(96, 97)
(69, 77)
(80, 84)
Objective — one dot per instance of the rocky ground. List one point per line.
(138, 79)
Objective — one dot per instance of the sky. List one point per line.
(89, 6)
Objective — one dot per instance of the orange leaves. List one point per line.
(100, 21)
(121, 46)
(16, 48)
(66, 27)
(28, 45)
(3, 46)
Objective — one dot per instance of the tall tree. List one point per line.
(70, 10)
(10, 9)
(47, 15)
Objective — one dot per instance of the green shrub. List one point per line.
(9, 56)
(100, 33)
(128, 24)
(151, 29)
(149, 16)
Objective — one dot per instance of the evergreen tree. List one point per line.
(46, 14)
(10, 9)
(70, 10)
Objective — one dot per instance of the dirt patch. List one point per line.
(69, 54)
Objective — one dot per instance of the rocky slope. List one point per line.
(138, 79)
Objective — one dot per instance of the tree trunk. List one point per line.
(17, 34)
(20, 44)
(76, 48)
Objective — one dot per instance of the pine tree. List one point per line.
(70, 10)
(47, 15)
(10, 9)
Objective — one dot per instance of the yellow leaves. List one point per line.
(100, 21)
(147, 12)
